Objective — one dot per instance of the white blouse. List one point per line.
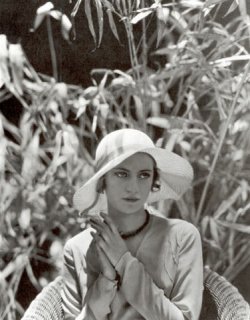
(162, 281)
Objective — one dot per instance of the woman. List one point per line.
(131, 264)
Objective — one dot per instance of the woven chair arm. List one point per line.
(47, 305)
(229, 302)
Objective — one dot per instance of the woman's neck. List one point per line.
(127, 222)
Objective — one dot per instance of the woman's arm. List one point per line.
(139, 288)
(186, 297)
(78, 301)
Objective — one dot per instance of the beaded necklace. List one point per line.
(126, 235)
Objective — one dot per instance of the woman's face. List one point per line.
(128, 185)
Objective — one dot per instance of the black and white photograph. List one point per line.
(124, 160)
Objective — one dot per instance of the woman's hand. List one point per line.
(108, 239)
(107, 269)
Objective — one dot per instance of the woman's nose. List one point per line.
(133, 185)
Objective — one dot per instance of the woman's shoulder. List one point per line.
(179, 233)
(174, 226)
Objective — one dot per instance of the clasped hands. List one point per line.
(109, 244)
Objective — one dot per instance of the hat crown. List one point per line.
(119, 142)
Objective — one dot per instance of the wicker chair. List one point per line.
(222, 301)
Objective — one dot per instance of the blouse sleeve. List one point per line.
(186, 295)
(80, 303)
(188, 286)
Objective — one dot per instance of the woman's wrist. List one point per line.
(109, 276)
(114, 278)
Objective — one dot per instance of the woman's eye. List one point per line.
(144, 175)
(121, 174)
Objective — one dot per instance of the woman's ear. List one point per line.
(101, 185)
(156, 181)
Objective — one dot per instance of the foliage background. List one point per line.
(185, 81)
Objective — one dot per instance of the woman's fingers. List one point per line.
(95, 225)
(106, 266)
(108, 221)
(101, 227)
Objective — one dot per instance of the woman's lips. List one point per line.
(131, 199)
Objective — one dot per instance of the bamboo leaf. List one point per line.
(234, 226)
(108, 5)
(213, 2)
(138, 2)
(233, 7)
(103, 81)
(104, 109)
(162, 14)
(25, 218)
(204, 224)
(124, 8)
(1, 127)
(17, 65)
(3, 147)
(61, 90)
(183, 209)
(159, 122)
(41, 14)
(243, 9)
(100, 19)
(88, 13)
(38, 20)
(44, 9)
(16, 264)
(94, 123)
(227, 61)
(3, 151)
(32, 277)
(66, 26)
(4, 72)
(214, 230)
(192, 4)
(70, 142)
(56, 154)
(140, 16)
(57, 148)
(81, 105)
(179, 21)
(56, 249)
(76, 8)
(139, 108)
(55, 14)
(30, 159)
(73, 13)
(112, 24)
(226, 204)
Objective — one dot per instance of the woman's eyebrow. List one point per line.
(148, 171)
(121, 168)
(125, 169)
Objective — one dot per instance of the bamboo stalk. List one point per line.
(52, 49)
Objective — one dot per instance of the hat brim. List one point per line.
(175, 174)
